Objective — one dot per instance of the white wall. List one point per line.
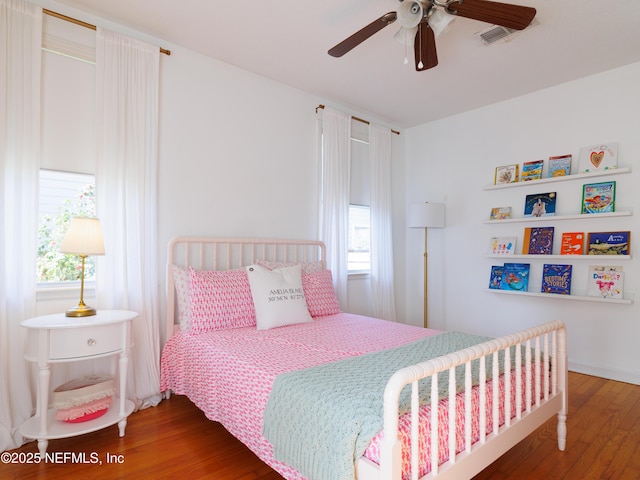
(237, 152)
(452, 159)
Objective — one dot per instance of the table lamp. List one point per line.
(83, 238)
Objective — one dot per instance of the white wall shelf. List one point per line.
(594, 258)
(624, 301)
(576, 176)
(554, 218)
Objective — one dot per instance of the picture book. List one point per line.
(540, 204)
(538, 241)
(608, 243)
(503, 245)
(506, 174)
(532, 170)
(572, 243)
(597, 158)
(495, 281)
(598, 197)
(500, 213)
(559, 166)
(556, 278)
(515, 276)
(605, 282)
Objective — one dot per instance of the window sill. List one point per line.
(63, 291)
(359, 274)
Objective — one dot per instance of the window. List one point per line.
(63, 195)
(359, 254)
(68, 145)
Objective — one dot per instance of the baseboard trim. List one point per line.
(618, 375)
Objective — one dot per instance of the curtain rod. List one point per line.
(84, 24)
(321, 107)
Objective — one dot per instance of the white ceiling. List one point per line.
(287, 41)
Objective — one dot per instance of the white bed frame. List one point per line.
(543, 348)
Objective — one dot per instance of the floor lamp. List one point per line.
(426, 215)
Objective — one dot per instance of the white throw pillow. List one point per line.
(278, 296)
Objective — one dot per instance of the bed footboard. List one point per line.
(539, 376)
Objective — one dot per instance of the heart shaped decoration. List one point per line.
(596, 158)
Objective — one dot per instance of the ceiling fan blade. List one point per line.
(424, 48)
(362, 34)
(517, 17)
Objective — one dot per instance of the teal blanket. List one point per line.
(321, 419)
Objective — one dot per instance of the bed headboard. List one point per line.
(223, 253)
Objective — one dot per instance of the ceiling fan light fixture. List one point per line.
(410, 14)
(406, 36)
(439, 21)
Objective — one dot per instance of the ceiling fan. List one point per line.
(422, 20)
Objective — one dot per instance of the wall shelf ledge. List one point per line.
(624, 301)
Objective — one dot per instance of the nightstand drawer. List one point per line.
(85, 342)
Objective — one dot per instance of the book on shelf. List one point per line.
(572, 243)
(608, 243)
(598, 197)
(556, 278)
(500, 213)
(495, 281)
(540, 204)
(503, 245)
(506, 174)
(515, 277)
(605, 281)
(532, 170)
(596, 158)
(538, 241)
(559, 166)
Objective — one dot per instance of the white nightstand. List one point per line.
(57, 338)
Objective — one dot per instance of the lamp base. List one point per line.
(81, 310)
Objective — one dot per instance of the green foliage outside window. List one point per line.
(53, 266)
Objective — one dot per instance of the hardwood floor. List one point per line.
(175, 440)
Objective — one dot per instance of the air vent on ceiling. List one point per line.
(495, 34)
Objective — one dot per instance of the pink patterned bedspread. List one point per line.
(228, 373)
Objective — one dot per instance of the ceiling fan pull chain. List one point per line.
(420, 64)
(406, 52)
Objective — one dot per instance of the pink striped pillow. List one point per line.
(220, 300)
(320, 294)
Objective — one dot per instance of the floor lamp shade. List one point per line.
(426, 215)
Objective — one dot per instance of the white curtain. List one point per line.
(20, 52)
(382, 291)
(126, 197)
(334, 214)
